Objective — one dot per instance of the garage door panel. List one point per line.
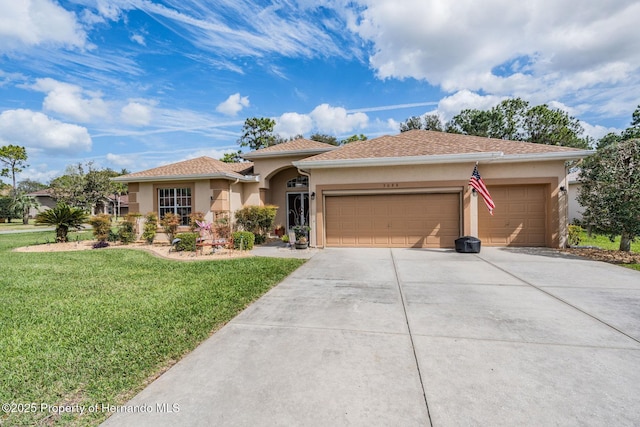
(519, 218)
(394, 220)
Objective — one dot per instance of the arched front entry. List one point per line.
(290, 192)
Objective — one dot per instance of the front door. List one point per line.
(297, 209)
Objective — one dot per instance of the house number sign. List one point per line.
(390, 185)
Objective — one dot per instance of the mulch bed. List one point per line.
(613, 257)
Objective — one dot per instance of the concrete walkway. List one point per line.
(402, 337)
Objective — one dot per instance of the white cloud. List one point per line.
(137, 113)
(233, 105)
(503, 47)
(291, 124)
(121, 160)
(139, 38)
(36, 130)
(38, 22)
(451, 105)
(596, 131)
(71, 101)
(336, 120)
(324, 118)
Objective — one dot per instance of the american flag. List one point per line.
(477, 183)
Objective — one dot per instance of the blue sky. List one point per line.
(138, 83)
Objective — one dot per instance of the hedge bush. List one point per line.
(150, 227)
(101, 226)
(243, 240)
(256, 219)
(187, 241)
(126, 232)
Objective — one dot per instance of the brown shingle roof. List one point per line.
(201, 166)
(300, 144)
(431, 143)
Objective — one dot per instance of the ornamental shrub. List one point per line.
(256, 219)
(170, 223)
(574, 235)
(101, 226)
(126, 232)
(193, 220)
(187, 241)
(243, 240)
(150, 227)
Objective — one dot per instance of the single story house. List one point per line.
(406, 190)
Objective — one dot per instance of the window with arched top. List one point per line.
(298, 182)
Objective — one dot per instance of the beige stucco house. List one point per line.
(406, 190)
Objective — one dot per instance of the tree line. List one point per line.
(82, 185)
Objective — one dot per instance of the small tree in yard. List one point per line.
(101, 226)
(150, 227)
(610, 191)
(64, 218)
(169, 224)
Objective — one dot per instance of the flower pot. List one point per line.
(302, 245)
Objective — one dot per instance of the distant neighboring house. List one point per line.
(118, 205)
(44, 198)
(109, 205)
(406, 190)
(575, 208)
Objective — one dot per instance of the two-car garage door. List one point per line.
(429, 220)
(433, 220)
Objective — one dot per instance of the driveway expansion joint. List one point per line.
(413, 346)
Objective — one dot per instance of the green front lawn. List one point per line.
(603, 242)
(93, 327)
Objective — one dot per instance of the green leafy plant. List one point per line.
(187, 241)
(243, 240)
(256, 219)
(575, 233)
(64, 218)
(101, 226)
(301, 231)
(127, 232)
(285, 238)
(150, 227)
(170, 223)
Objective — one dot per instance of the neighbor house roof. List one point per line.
(200, 168)
(421, 146)
(297, 146)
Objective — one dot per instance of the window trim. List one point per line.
(173, 186)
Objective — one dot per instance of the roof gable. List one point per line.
(296, 146)
(204, 167)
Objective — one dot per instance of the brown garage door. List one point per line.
(393, 220)
(519, 218)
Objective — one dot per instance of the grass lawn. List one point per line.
(92, 327)
(604, 242)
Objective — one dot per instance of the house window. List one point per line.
(299, 181)
(175, 200)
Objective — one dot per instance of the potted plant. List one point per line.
(279, 230)
(302, 243)
(302, 236)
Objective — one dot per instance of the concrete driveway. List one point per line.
(404, 337)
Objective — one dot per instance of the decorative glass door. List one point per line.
(297, 209)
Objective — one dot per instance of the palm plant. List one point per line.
(63, 217)
(21, 204)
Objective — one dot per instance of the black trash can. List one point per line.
(468, 245)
